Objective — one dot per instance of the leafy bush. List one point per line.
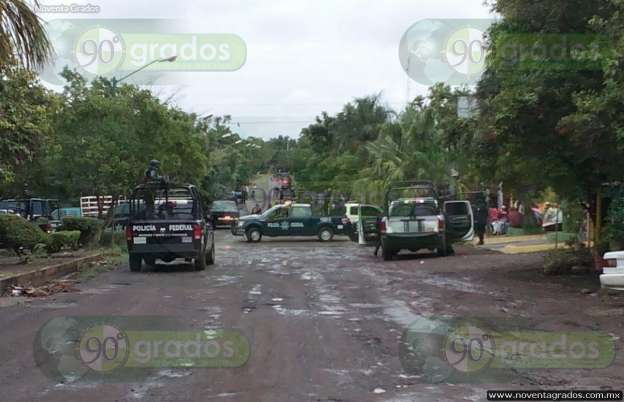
(573, 216)
(17, 233)
(59, 240)
(114, 240)
(614, 231)
(88, 227)
(562, 261)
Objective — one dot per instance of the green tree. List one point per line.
(26, 111)
(104, 138)
(525, 129)
(331, 152)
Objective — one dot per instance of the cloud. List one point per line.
(304, 56)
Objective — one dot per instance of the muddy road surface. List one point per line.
(324, 322)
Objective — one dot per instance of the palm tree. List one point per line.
(410, 149)
(23, 38)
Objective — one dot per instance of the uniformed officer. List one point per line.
(480, 212)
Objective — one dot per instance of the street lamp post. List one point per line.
(168, 60)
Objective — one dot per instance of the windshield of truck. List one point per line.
(63, 212)
(412, 208)
(9, 205)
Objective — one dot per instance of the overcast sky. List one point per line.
(303, 56)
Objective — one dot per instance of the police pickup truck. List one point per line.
(416, 218)
(166, 222)
(290, 220)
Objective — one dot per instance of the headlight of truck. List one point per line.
(240, 223)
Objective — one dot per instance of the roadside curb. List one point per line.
(39, 276)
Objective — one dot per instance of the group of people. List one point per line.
(497, 220)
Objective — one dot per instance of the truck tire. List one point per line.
(353, 236)
(325, 234)
(200, 261)
(386, 252)
(442, 250)
(135, 260)
(254, 235)
(210, 257)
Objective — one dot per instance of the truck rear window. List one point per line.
(170, 210)
(412, 209)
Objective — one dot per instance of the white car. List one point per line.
(367, 211)
(613, 275)
(370, 213)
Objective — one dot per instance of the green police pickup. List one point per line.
(290, 220)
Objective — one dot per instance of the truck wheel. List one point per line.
(325, 234)
(134, 260)
(254, 235)
(386, 252)
(442, 250)
(210, 257)
(200, 261)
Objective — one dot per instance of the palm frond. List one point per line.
(23, 38)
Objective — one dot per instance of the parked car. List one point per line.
(36, 210)
(370, 213)
(56, 217)
(613, 275)
(290, 220)
(415, 218)
(166, 222)
(224, 213)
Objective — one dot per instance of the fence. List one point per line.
(89, 206)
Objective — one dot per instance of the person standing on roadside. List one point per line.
(480, 212)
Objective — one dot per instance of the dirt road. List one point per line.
(323, 321)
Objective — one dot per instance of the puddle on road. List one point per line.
(366, 305)
(400, 312)
(281, 310)
(256, 290)
(225, 280)
(54, 305)
(454, 284)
